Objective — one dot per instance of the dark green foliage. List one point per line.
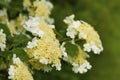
(13, 8)
(71, 49)
(20, 41)
(5, 29)
(21, 54)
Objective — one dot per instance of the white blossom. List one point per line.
(33, 43)
(69, 20)
(87, 47)
(72, 26)
(43, 61)
(33, 26)
(58, 67)
(71, 30)
(81, 68)
(11, 72)
(92, 47)
(15, 59)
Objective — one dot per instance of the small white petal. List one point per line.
(33, 26)
(58, 67)
(43, 61)
(11, 72)
(81, 68)
(33, 43)
(87, 47)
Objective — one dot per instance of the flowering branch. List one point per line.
(28, 41)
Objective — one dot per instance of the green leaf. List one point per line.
(9, 38)
(21, 54)
(4, 54)
(71, 49)
(14, 8)
(5, 28)
(20, 41)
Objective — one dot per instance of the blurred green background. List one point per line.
(104, 15)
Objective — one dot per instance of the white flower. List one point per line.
(43, 61)
(81, 68)
(33, 43)
(15, 59)
(85, 32)
(11, 72)
(71, 32)
(2, 40)
(58, 67)
(75, 24)
(87, 47)
(92, 47)
(72, 26)
(96, 49)
(33, 26)
(69, 20)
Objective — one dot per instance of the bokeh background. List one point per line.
(104, 16)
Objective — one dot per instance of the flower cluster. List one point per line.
(84, 31)
(79, 63)
(18, 70)
(35, 40)
(44, 51)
